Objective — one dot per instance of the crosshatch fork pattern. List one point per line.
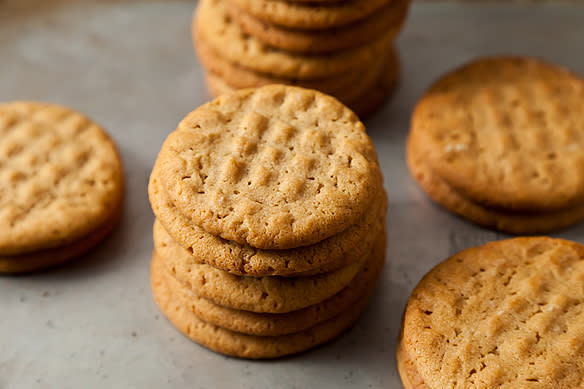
(328, 255)
(508, 314)
(59, 176)
(508, 133)
(279, 167)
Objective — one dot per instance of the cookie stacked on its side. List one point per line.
(342, 48)
(270, 222)
(61, 185)
(500, 142)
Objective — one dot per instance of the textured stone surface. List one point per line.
(130, 66)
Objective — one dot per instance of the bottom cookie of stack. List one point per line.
(520, 223)
(256, 335)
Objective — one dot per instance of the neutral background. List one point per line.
(130, 66)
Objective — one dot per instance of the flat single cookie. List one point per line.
(504, 132)
(325, 256)
(389, 18)
(224, 77)
(265, 324)
(249, 346)
(310, 16)
(277, 167)
(508, 314)
(520, 223)
(213, 26)
(60, 178)
(254, 294)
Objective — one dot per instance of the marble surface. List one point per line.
(130, 66)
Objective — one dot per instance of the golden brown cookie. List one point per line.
(310, 16)
(507, 314)
(249, 346)
(372, 99)
(521, 223)
(224, 77)
(364, 101)
(240, 77)
(363, 97)
(264, 324)
(328, 255)
(213, 26)
(61, 184)
(46, 258)
(504, 132)
(390, 17)
(409, 375)
(255, 294)
(277, 167)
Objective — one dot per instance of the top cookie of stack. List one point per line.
(342, 48)
(259, 184)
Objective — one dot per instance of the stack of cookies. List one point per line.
(61, 185)
(343, 48)
(499, 142)
(270, 212)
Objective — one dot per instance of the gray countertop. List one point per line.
(130, 66)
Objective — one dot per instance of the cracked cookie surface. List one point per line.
(60, 178)
(507, 314)
(505, 132)
(277, 167)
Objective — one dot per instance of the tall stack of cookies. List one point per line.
(343, 48)
(270, 213)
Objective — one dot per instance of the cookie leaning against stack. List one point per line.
(499, 142)
(342, 48)
(509, 314)
(61, 185)
(270, 213)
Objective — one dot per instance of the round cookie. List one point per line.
(254, 294)
(249, 346)
(310, 16)
(389, 18)
(503, 131)
(60, 178)
(325, 256)
(364, 101)
(43, 259)
(213, 26)
(224, 76)
(264, 324)
(507, 314)
(520, 223)
(277, 167)
(240, 77)
(354, 94)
